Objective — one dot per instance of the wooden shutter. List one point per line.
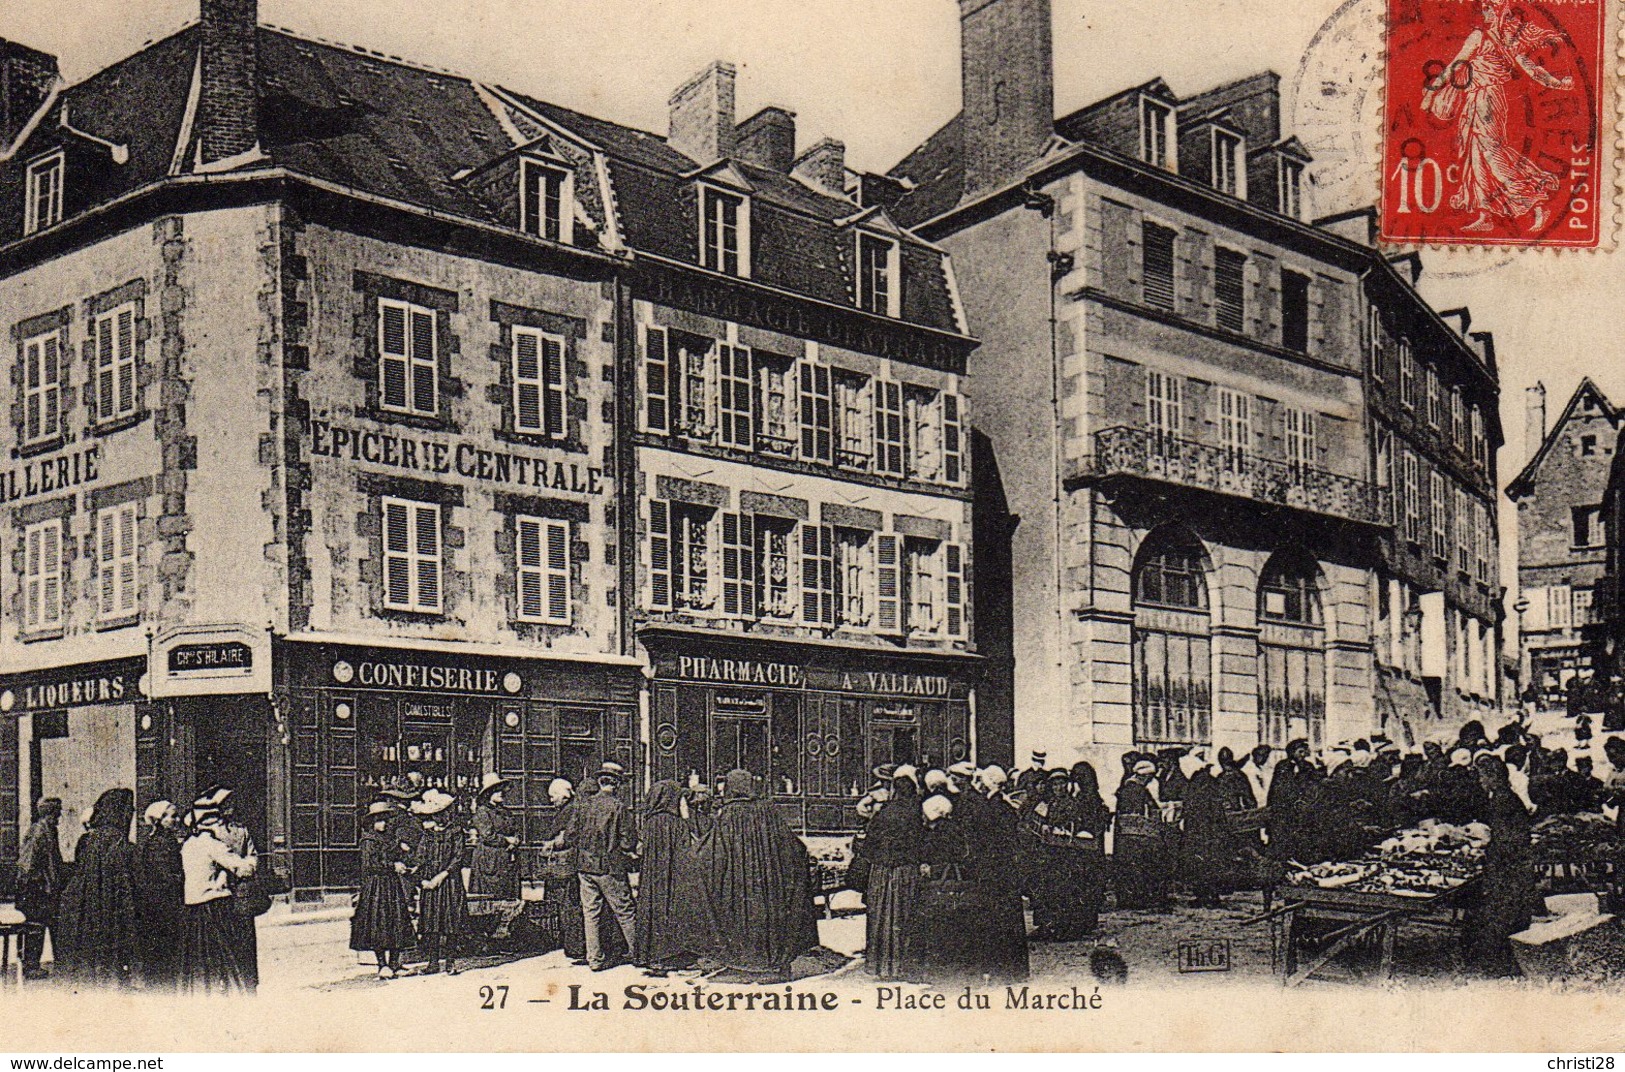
(953, 446)
(425, 370)
(736, 395)
(657, 395)
(528, 568)
(426, 537)
(888, 585)
(659, 555)
(556, 566)
(954, 588)
(889, 427)
(527, 381)
(555, 407)
(43, 575)
(1158, 265)
(817, 413)
(818, 575)
(107, 561)
(739, 565)
(392, 355)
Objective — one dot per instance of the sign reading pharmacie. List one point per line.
(117, 681)
(439, 456)
(723, 670)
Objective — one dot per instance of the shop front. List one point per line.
(351, 718)
(70, 732)
(812, 720)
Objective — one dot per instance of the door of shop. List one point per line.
(230, 751)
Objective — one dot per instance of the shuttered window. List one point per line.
(888, 584)
(116, 561)
(113, 395)
(1229, 289)
(888, 407)
(539, 398)
(738, 566)
(542, 569)
(43, 373)
(412, 567)
(735, 396)
(659, 555)
(657, 385)
(408, 369)
(42, 576)
(818, 575)
(1157, 265)
(817, 414)
(953, 440)
(1295, 312)
(953, 577)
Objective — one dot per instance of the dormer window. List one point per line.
(1291, 192)
(724, 232)
(1229, 171)
(544, 201)
(877, 274)
(43, 207)
(1156, 146)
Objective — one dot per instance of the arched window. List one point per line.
(1173, 653)
(1291, 652)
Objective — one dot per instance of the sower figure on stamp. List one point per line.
(1496, 179)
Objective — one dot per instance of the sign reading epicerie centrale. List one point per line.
(439, 457)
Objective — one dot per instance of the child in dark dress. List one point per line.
(382, 920)
(437, 866)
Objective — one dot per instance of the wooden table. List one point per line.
(11, 938)
(1361, 914)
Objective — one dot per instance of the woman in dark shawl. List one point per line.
(1509, 873)
(160, 897)
(96, 917)
(1208, 848)
(666, 891)
(892, 845)
(1140, 854)
(1091, 816)
(494, 870)
(758, 880)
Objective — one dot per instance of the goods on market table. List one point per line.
(1580, 835)
(1420, 862)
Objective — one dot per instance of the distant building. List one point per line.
(1563, 536)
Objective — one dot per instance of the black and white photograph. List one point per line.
(1014, 525)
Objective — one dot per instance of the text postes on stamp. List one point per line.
(1494, 123)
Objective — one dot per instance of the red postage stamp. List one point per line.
(1495, 123)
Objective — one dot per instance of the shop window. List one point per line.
(1157, 265)
(44, 370)
(539, 392)
(889, 439)
(922, 415)
(739, 555)
(116, 562)
(113, 395)
(1295, 311)
(412, 566)
(855, 422)
(776, 384)
(855, 576)
(544, 201)
(817, 413)
(1229, 289)
(818, 585)
(408, 367)
(543, 569)
(42, 576)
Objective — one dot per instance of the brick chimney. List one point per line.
(768, 140)
(228, 104)
(824, 165)
(702, 115)
(26, 77)
(1534, 421)
(1007, 74)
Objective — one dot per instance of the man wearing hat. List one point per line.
(1026, 779)
(601, 833)
(494, 870)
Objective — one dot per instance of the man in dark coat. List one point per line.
(604, 841)
(39, 881)
(1294, 776)
(758, 881)
(1031, 776)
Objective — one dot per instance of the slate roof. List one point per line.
(391, 129)
(1524, 482)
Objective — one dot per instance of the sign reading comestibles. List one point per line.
(439, 457)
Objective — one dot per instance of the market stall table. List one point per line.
(1361, 913)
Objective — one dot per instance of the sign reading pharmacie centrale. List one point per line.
(451, 457)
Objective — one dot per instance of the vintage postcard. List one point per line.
(1013, 525)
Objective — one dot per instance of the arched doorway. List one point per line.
(1173, 647)
(1291, 651)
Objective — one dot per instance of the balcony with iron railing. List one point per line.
(1150, 455)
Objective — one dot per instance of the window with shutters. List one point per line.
(877, 274)
(1229, 163)
(1413, 496)
(1157, 265)
(1486, 545)
(1481, 442)
(889, 598)
(1300, 438)
(412, 563)
(1463, 532)
(691, 566)
(1235, 428)
(953, 439)
(817, 412)
(1291, 189)
(1458, 421)
(739, 557)
(117, 595)
(1560, 614)
(922, 421)
(1379, 349)
(1164, 404)
(1229, 289)
(734, 396)
(1439, 500)
(1156, 119)
(699, 394)
(44, 370)
(658, 395)
(922, 584)
(855, 422)
(544, 202)
(777, 428)
(42, 576)
(540, 397)
(818, 585)
(888, 410)
(408, 365)
(1295, 311)
(657, 552)
(953, 591)
(855, 576)
(542, 570)
(42, 206)
(1384, 457)
(1407, 375)
(1435, 397)
(113, 392)
(724, 232)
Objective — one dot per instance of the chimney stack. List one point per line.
(1007, 74)
(26, 78)
(702, 115)
(1534, 428)
(768, 140)
(824, 166)
(228, 104)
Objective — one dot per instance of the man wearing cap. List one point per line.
(1026, 779)
(601, 833)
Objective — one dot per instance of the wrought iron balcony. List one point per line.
(1140, 452)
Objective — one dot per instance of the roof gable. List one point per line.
(1524, 482)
